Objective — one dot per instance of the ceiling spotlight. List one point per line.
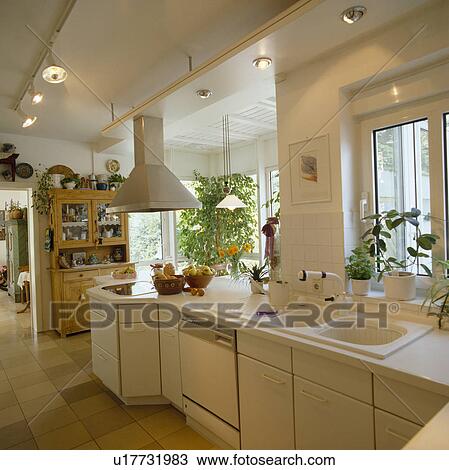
(204, 94)
(36, 96)
(54, 73)
(262, 63)
(353, 14)
(27, 120)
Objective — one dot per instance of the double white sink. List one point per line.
(370, 340)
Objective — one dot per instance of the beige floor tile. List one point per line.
(36, 348)
(5, 386)
(128, 437)
(9, 351)
(7, 399)
(91, 445)
(142, 411)
(41, 404)
(185, 439)
(50, 420)
(106, 421)
(22, 370)
(20, 360)
(10, 415)
(81, 391)
(14, 434)
(3, 375)
(29, 379)
(78, 345)
(152, 446)
(92, 405)
(62, 370)
(67, 437)
(27, 445)
(54, 361)
(35, 391)
(163, 423)
(82, 357)
(71, 380)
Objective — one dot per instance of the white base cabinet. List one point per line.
(171, 365)
(325, 419)
(393, 432)
(266, 406)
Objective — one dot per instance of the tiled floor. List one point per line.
(50, 399)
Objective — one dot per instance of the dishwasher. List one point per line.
(209, 376)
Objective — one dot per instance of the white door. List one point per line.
(393, 432)
(139, 359)
(266, 406)
(325, 419)
(171, 365)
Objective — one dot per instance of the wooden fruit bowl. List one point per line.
(199, 282)
(169, 286)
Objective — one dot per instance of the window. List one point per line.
(190, 185)
(273, 191)
(145, 236)
(402, 178)
(446, 154)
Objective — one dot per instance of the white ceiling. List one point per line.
(120, 50)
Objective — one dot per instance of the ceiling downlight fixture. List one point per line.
(204, 93)
(353, 14)
(262, 63)
(54, 73)
(27, 120)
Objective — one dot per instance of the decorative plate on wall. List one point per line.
(24, 170)
(61, 170)
(113, 166)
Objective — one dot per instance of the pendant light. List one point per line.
(54, 73)
(230, 201)
(36, 96)
(27, 120)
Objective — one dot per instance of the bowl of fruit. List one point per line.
(199, 276)
(166, 281)
(124, 273)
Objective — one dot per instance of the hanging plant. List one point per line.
(41, 195)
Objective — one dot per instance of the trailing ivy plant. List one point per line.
(384, 225)
(206, 235)
(41, 195)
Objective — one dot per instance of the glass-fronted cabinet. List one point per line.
(110, 228)
(75, 223)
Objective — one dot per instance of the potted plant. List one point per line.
(115, 181)
(437, 298)
(15, 211)
(399, 282)
(70, 182)
(256, 275)
(360, 269)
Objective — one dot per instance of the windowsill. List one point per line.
(377, 296)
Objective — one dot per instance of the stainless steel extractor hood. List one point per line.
(151, 186)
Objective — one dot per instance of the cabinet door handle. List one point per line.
(272, 379)
(397, 435)
(313, 396)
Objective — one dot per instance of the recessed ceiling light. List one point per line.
(27, 120)
(353, 14)
(204, 94)
(262, 63)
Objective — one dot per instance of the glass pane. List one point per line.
(75, 221)
(190, 185)
(145, 236)
(109, 225)
(274, 191)
(402, 166)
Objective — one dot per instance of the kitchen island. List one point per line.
(242, 372)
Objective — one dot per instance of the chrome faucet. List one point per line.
(304, 275)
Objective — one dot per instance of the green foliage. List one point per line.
(255, 272)
(274, 202)
(384, 224)
(206, 233)
(145, 236)
(437, 299)
(116, 178)
(360, 264)
(41, 196)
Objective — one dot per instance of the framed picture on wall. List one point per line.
(310, 176)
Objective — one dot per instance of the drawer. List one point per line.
(138, 313)
(409, 402)
(344, 378)
(106, 368)
(271, 353)
(393, 432)
(325, 419)
(104, 333)
(80, 275)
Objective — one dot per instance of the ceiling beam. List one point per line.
(252, 122)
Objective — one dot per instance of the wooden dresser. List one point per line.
(82, 231)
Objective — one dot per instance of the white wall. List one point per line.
(311, 102)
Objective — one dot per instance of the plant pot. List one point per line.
(256, 287)
(16, 214)
(360, 286)
(102, 186)
(400, 285)
(56, 179)
(70, 185)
